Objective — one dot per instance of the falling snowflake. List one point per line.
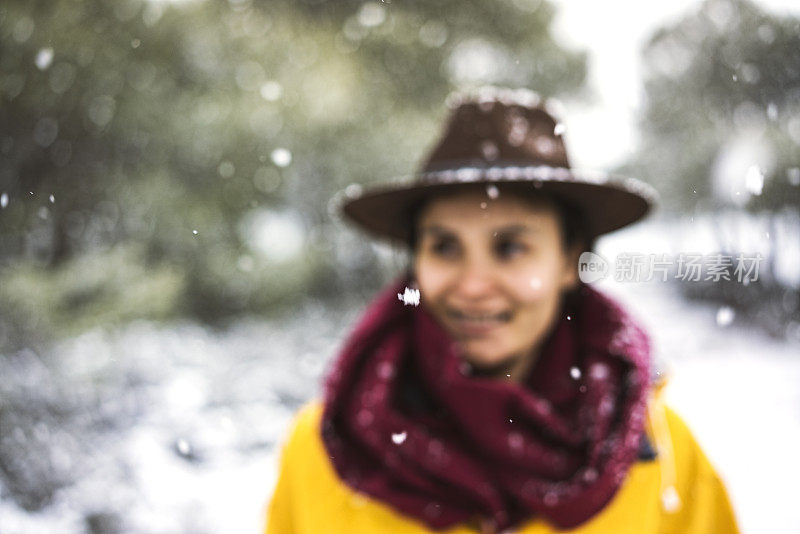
(183, 447)
(670, 499)
(575, 373)
(725, 315)
(399, 437)
(281, 157)
(409, 296)
(44, 58)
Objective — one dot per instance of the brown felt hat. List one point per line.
(500, 136)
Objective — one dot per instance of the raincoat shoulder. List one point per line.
(678, 491)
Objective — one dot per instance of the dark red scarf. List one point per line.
(405, 423)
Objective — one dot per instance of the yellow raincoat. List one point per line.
(678, 492)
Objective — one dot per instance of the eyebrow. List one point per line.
(508, 230)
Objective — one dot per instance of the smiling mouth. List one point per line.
(476, 323)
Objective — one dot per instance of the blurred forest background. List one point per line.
(176, 161)
(163, 160)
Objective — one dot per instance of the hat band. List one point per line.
(501, 171)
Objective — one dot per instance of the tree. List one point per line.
(720, 134)
(173, 125)
(722, 90)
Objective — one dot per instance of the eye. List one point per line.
(445, 247)
(509, 248)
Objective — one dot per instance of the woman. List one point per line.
(513, 397)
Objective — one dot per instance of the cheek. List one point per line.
(537, 283)
(431, 279)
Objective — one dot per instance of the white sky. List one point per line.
(602, 134)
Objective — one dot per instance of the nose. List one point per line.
(476, 279)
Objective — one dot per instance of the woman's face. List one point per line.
(492, 271)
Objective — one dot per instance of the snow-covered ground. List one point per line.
(169, 429)
(737, 388)
(739, 391)
(157, 429)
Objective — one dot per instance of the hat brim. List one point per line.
(606, 202)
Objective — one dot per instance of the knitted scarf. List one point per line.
(405, 423)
